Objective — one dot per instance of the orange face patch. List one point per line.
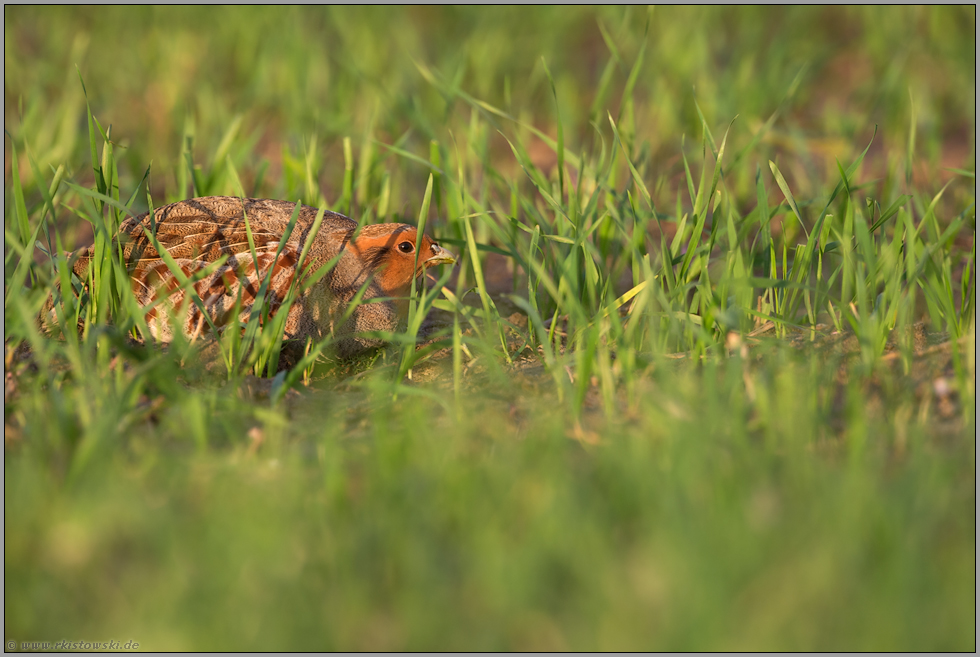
(389, 251)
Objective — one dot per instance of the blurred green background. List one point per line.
(294, 74)
(785, 498)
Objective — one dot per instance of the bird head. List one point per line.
(389, 253)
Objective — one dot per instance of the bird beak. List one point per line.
(441, 257)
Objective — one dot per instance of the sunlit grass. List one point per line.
(703, 378)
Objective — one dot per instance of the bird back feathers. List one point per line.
(197, 233)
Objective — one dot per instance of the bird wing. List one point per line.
(198, 232)
(202, 230)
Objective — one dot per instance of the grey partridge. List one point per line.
(380, 258)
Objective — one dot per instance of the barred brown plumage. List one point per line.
(198, 232)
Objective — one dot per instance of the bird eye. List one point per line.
(406, 247)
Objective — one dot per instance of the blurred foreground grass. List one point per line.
(697, 384)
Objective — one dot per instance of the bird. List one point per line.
(197, 233)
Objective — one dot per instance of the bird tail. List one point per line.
(47, 319)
